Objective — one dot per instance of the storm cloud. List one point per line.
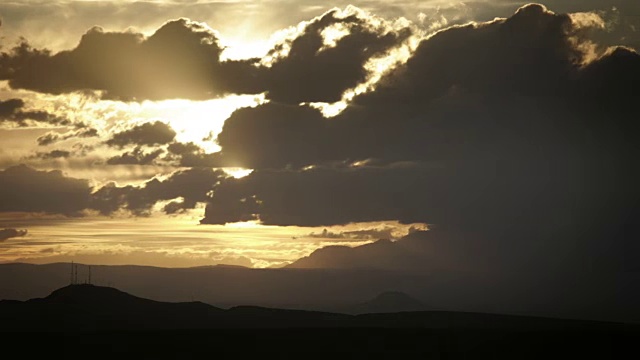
(516, 134)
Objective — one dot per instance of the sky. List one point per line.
(253, 133)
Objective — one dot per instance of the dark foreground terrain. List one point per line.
(86, 321)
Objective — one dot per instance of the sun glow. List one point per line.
(199, 121)
(237, 172)
(239, 50)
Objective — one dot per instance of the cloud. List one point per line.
(12, 111)
(135, 157)
(516, 137)
(191, 186)
(421, 107)
(385, 232)
(191, 155)
(178, 61)
(265, 135)
(182, 60)
(323, 196)
(53, 154)
(156, 133)
(28, 190)
(77, 150)
(326, 56)
(53, 137)
(6, 234)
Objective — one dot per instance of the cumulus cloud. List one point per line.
(182, 60)
(516, 139)
(6, 234)
(28, 190)
(327, 56)
(177, 61)
(191, 186)
(155, 133)
(517, 132)
(191, 155)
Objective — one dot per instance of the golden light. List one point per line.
(246, 225)
(198, 121)
(237, 172)
(244, 49)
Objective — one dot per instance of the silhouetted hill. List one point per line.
(89, 307)
(335, 289)
(387, 302)
(100, 322)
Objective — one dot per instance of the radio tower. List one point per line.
(71, 277)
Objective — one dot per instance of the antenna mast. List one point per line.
(71, 277)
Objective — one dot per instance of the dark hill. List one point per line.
(91, 308)
(388, 302)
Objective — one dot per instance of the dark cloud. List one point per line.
(77, 150)
(28, 190)
(135, 157)
(191, 155)
(418, 111)
(264, 137)
(182, 60)
(192, 186)
(323, 196)
(53, 154)
(314, 72)
(53, 137)
(11, 62)
(178, 61)
(518, 136)
(12, 111)
(156, 133)
(6, 234)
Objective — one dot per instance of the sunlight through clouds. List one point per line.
(197, 121)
